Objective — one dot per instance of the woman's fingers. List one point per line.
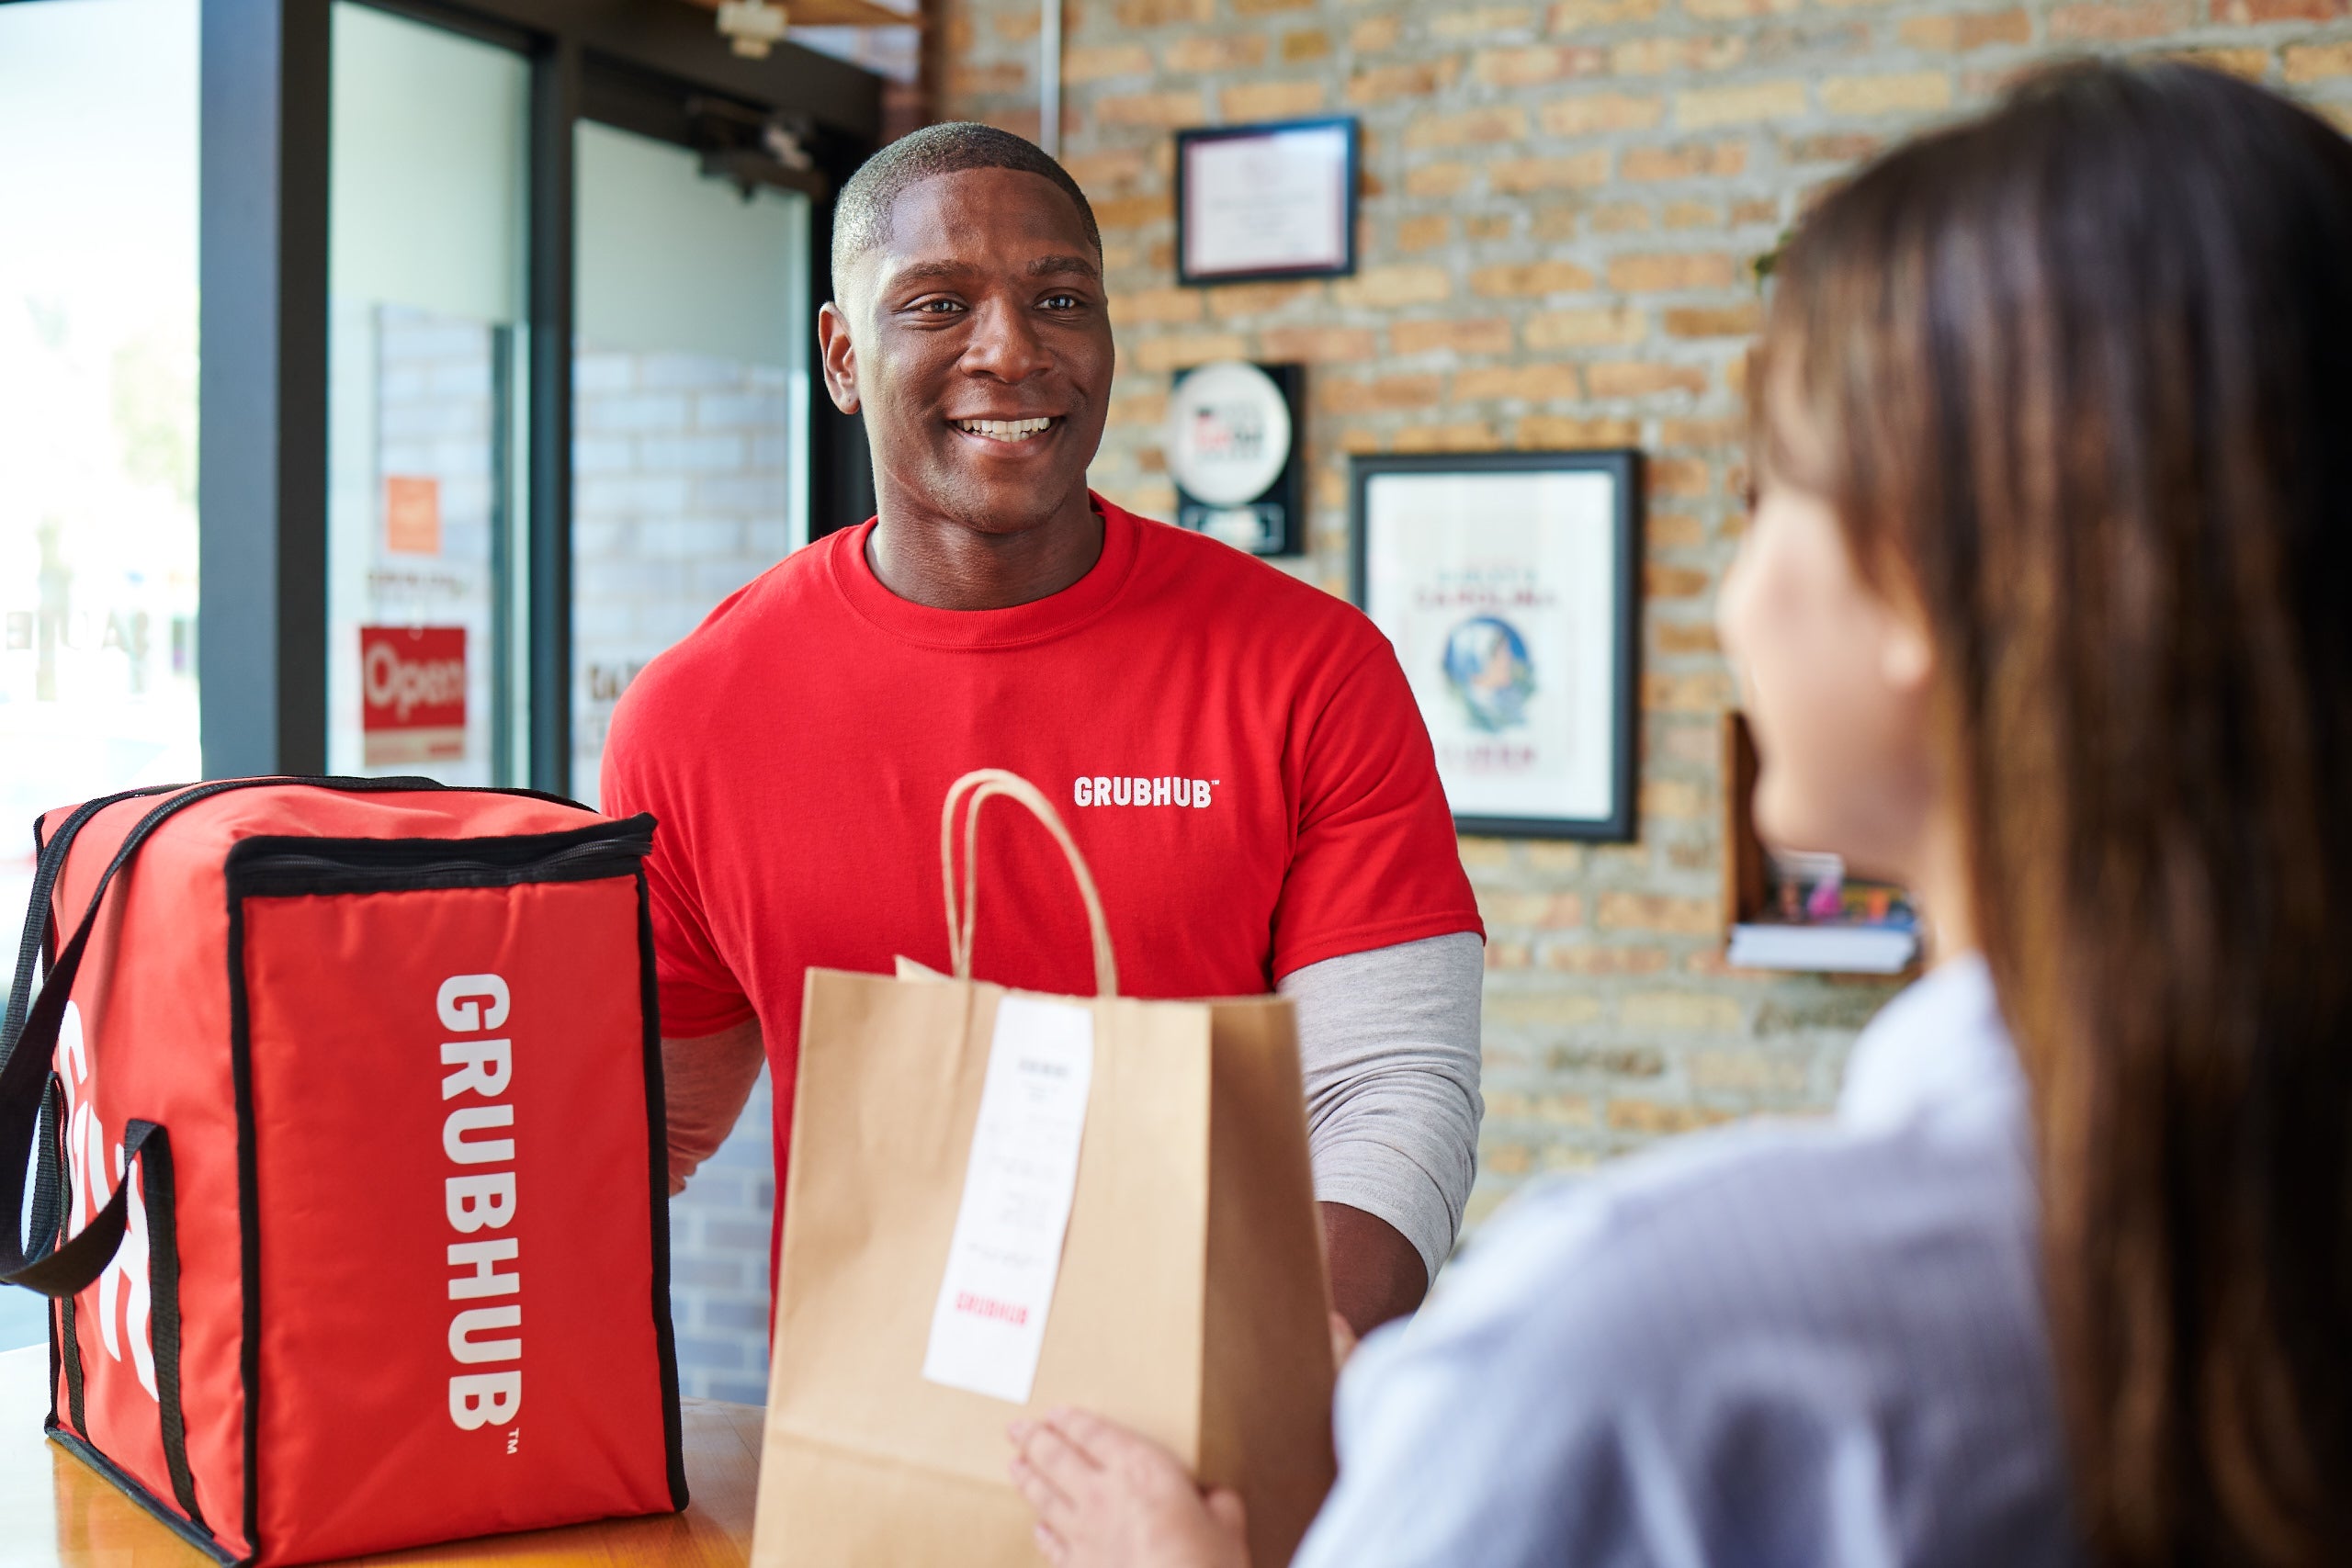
(1227, 1513)
(1091, 1435)
(1057, 1551)
(1064, 1462)
(1053, 1507)
(1117, 1450)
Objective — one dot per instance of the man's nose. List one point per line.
(1004, 345)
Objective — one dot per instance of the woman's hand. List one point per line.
(1107, 1498)
(1343, 1340)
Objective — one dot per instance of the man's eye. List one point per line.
(940, 307)
(1062, 301)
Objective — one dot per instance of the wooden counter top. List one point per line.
(55, 1509)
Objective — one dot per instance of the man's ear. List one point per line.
(840, 357)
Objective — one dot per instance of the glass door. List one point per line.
(97, 423)
(690, 406)
(427, 218)
(98, 408)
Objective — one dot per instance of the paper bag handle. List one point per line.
(985, 784)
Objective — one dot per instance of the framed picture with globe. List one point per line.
(1510, 584)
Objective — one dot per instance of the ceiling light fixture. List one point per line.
(752, 27)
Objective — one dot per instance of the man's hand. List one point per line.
(1107, 1498)
(1376, 1274)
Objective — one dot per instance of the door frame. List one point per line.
(262, 382)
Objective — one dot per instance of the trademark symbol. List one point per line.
(514, 1440)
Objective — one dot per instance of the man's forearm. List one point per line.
(1376, 1274)
(704, 1083)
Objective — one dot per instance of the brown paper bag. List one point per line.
(1191, 1303)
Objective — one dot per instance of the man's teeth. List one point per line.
(1006, 429)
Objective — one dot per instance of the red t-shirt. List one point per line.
(1235, 754)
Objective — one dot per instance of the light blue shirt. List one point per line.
(1773, 1344)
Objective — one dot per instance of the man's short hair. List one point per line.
(862, 215)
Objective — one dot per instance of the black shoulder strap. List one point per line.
(48, 866)
(57, 1268)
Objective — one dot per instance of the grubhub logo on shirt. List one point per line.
(1164, 790)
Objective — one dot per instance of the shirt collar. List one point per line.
(1938, 1054)
(1017, 626)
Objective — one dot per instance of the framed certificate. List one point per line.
(1255, 202)
(1510, 584)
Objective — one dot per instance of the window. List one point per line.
(426, 214)
(689, 407)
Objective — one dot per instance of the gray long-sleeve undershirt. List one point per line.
(1387, 1046)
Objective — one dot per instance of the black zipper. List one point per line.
(287, 866)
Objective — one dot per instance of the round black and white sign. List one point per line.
(1228, 432)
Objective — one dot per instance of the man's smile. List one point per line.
(1008, 432)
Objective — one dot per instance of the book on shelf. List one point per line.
(1815, 917)
(1860, 950)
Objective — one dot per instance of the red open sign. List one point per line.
(413, 694)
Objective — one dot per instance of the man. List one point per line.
(1237, 754)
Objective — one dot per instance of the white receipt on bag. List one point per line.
(990, 1321)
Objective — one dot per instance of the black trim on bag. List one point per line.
(293, 865)
(56, 1359)
(73, 1357)
(656, 1110)
(64, 1345)
(36, 919)
(49, 1182)
(241, 1078)
(163, 1311)
(64, 1351)
(83, 1450)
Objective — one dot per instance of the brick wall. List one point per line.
(719, 1262)
(1560, 205)
(680, 470)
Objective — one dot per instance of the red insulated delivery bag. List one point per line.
(342, 1106)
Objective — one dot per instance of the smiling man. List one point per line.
(1237, 754)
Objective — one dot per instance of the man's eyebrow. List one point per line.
(949, 269)
(931, 269)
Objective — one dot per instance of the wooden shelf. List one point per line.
(1743, 851)
(1746, 884)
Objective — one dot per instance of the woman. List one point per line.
(2046, 609)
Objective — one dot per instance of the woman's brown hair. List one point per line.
(2077, 377)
